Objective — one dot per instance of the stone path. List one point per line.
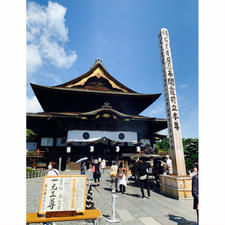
(130, 208)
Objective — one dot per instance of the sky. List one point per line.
(65, 37)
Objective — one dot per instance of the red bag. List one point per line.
(120, 173)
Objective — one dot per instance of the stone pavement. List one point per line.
(130, 208)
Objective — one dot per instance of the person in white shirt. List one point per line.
(103, 166)
(53, 171)
(169, 164)
(50, 166)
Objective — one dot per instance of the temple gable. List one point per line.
(97, 81)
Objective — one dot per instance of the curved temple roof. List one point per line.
(90, 91)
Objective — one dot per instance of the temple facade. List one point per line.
(93, 116)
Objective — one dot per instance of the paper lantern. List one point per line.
(138, 149)
(91, 148)
(68, 149)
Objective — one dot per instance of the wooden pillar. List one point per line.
(34, 163)
(173, 118)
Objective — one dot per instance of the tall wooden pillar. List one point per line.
(177, 185)
(173, 118)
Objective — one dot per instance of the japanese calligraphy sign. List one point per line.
(63, 193)
(173, 119)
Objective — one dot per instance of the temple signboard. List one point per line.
(63, 193)
(173, 119)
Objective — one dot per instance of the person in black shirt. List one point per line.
(195, 190)
(143, 177)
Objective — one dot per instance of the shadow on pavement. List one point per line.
(134, 195)
(108, 180)
(107, 189)
(181, 220)
(153, 187)
(107, 216)
(129, 194)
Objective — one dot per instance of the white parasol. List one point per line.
(82, 159)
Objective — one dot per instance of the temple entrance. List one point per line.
(104, 151)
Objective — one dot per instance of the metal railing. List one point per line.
(36, 173)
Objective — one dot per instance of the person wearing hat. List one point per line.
(113, 176)
(96, 172)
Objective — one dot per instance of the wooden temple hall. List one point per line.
(93, 116)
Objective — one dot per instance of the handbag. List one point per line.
(120, 173)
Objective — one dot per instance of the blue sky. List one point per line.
(65, 37)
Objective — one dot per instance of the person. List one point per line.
(96, 172)
(159, 171)
(83, 168)
(103, 166)
(169, 165)
(151, 159)
(143, 178)
(122, 178)
(53, 171)
(113, 176)
(195, 190)
(49, 166)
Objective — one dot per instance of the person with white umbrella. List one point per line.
(83, 165)
(83, 168)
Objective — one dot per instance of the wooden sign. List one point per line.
(63, 193)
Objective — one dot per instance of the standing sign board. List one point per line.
(63, 193)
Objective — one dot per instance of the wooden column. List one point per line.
(173, 119)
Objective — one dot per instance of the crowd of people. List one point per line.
(142, 171)
(118, 173)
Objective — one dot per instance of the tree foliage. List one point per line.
(30, 135)
(190, 146)
(190, 152)
(163, 146)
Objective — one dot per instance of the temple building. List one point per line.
(93, 116)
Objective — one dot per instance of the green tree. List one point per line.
(163, 146)
(190, 146)
(30, 135)
(190, 152)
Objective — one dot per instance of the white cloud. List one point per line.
(34, 60)
(46, 36)
(33, 105)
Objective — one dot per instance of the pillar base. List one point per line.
(177, 187)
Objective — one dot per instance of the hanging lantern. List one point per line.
(117, 148)
(68, 149)
(91, 148)
(138, 149)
